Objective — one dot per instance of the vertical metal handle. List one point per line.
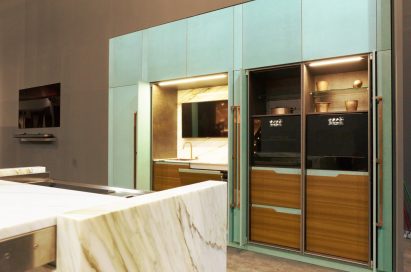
(235, 203)
(380, 222)
(135, 150)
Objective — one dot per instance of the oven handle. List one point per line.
(380, 222)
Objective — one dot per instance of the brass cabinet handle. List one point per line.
(135, 151)
(380, 134)
(235, 203)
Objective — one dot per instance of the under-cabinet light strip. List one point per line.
(191, 80)
(335, 61)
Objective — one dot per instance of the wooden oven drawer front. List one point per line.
(337, 216)
(269, 187)
(275, 228)
(166, 176)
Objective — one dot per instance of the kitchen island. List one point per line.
(179, 230)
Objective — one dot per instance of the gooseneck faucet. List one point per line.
(191, 149)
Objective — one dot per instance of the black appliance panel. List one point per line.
(277, 142)
(337, 141)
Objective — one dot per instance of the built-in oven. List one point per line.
(276, 141)
(337, 141)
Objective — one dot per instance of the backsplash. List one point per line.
(213, 150)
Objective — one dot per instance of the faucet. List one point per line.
(191, 149)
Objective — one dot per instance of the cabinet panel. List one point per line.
(125, 59)
(210, 42)
(192, 176)
(271, 188)
(271, 227)
(166, 50)
(337, 216)
(335, 28)
(271, 32)
(166, 176)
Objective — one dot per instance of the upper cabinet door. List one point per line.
(271, 32)
(166, 49)
(125, 59)
(210, 42)
(338, 27)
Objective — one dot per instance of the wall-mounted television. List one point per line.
(39, 107)
(205, 119)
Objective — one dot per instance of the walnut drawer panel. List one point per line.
(337, 216)
(166, 176)
(271, 188)
(275, 228)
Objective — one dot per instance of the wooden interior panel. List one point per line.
(274, 228)
(271, 188)
(190, 178)
(166, 176)
(337, 216)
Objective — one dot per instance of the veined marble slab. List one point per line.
(21, 171)
(182, 229)
(25, 208)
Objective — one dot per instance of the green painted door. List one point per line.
(338, 27)
(125, 59)
(210, 42)
(165, 51)
(271, 32)
(122, 106)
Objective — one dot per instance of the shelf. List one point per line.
(337, 112)
(38, 137)
(340, 91)
(274, 115)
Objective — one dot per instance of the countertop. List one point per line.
(25, 208)
(198, 164)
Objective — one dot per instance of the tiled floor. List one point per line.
(242, 261)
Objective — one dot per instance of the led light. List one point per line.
(335, 61)
(191, 80)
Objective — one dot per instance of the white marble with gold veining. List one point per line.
(4, 172)
(25, 208)
(183, 229)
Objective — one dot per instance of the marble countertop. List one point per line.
(25, 208)
(198, 164)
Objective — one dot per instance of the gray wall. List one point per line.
(48, 41)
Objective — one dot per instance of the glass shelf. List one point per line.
(340, 91)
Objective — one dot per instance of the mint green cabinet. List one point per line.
(122, 106)
(338, 27)
(210, 42)
(271, 32)
(125, 59)
(165, 51)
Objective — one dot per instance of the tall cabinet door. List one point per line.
(122, 132)
(336, 28)
(210, 42)
(166, 51)
(271, 32)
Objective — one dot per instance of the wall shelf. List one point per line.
(362, 90)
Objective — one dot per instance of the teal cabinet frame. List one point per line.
(125, 59)
(333, 28)
(210, 42)
(165, 51)
(271, 33)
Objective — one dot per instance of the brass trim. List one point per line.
(379, 162)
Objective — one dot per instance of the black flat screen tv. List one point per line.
(205, 119)
(39, 107)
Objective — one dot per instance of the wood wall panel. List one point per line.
(187, 178)
(337, 216)
(271, 188)
(275, 228)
